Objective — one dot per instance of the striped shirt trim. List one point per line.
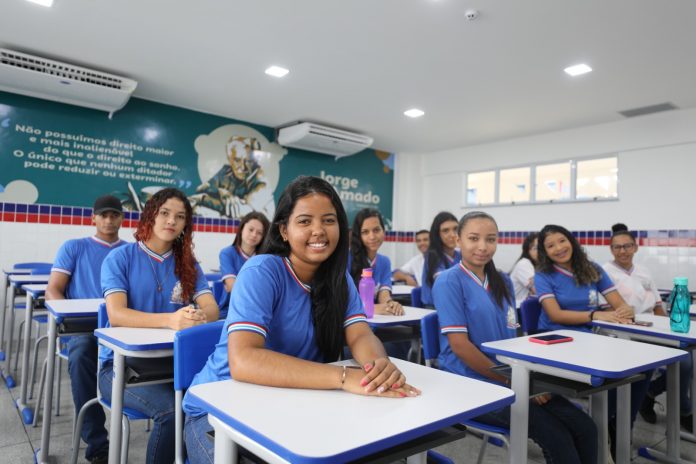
(545, 296)
(454, 329)
(625, 271)
(61, 270)
(563, 271)
(483, 284)
(288, 266)
(372, 263)
(202, 292)
(244, 255)
(105, 243)
(609, 290)
(229, 276)
(247, 327)
(153, 255)
(384, 287)
(114, 290)
(355, 318)
(449, 258)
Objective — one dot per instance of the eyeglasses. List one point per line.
(626, 247)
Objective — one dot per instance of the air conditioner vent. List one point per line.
(323, 139)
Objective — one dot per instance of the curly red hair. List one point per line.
(184, 259)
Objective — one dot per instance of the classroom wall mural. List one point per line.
(65, 155)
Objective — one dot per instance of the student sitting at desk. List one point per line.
(412, 271)
(76, 274)
(476, 305)
(522, 274)
(252, 230)
(441, 253)
(154, 283)
(293, 309)
(367, 237)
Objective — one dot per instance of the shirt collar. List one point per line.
(104, 242)
(562, 270)
(483, 284)
(153, 255)
(288, 266)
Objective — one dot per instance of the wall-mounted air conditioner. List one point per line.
(62, 82)
(323, 139)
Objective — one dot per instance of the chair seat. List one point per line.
(40, 318)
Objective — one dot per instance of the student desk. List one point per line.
(58, 311)
(590, 359)
(411, 317)
(402, 290)
(16, 282)
(34, 292)
(7, 272)
(282, 425)
(138, 343)
(661, 334)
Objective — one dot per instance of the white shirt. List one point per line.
(414, 266)
(521, 275)
(636, 286)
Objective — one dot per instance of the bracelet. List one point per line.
(592, 315)
(343, 376)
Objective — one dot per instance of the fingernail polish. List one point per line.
(403, 395)
(380, 390)
(363, 382)
(367, 367)
(395, 386)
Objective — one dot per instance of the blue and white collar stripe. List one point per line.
(153, 255)
(483, 284)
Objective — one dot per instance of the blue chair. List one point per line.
(192, 347)
(32, 265)
(430, 335)
(416, 298)
(530, 310)
(222, 297)
(213, 276)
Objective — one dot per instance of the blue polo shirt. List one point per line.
(231, 261)
(148, 280)
(270, 300)
(381, 272)
(81, 259)
(465, 305)
(560, 284)
(426, 290)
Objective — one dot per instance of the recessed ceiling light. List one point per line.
(414, 113)
(577, 69)
(42, 2)
(276, 71)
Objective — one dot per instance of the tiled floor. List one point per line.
(19, 442)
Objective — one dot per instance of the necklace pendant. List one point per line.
(159, 288)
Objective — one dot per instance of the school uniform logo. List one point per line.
(177, 293)
(593, 297)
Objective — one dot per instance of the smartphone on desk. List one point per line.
(642, 323)
(550, 339)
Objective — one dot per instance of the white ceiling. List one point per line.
(359, 64)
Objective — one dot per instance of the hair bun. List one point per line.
(619, 227)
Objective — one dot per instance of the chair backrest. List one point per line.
(192, 347)
(529, 315)
(213, 276)
(102, 316)
(31, 265)
(416, 297)
(430, 337)
(42, 269)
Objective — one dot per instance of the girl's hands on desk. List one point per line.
(390, 308)
(625, 312)
(381, 377)
(186, 317)
(610, 316)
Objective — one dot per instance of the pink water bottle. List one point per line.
(366, 288)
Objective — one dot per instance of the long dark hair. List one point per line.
(496, 282)
(329, 294)
(435, 254)
(184, 259)
(357, 247)
(253, 215)
(528, 240)
(584, 271)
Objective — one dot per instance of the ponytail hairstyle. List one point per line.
(584, 271)
(357, 247)
(496, 282)
(329, 294)
(253, 215)
(528, 240)
(436, 254)
(182, 247)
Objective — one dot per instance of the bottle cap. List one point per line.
(367, 272)
(677, 280)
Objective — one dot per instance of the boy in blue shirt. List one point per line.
(76, 274)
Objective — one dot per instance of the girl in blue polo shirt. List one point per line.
(475, 304)
(154, 283)
(366, 238)
(252, 230)
(292, 310)
(569, 285)
(441, 253)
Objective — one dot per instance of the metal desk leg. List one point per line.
(116, 409)
(225, 447)
(623, 424)
(599, 410)
(9, 380)
(48, 397)
(26, 411)
(686, 435)
(519, 415)
(3, 310)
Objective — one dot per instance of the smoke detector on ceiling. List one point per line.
(471, 14)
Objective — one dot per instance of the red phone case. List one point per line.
(550, 342)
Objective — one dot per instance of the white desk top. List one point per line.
(15, 271)
(401, 289)
(328, 426)
(29, 279)
(36, 290)
(411, 317)
(660, 328)
(597, 355)
(74, 308)
(136, 339)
